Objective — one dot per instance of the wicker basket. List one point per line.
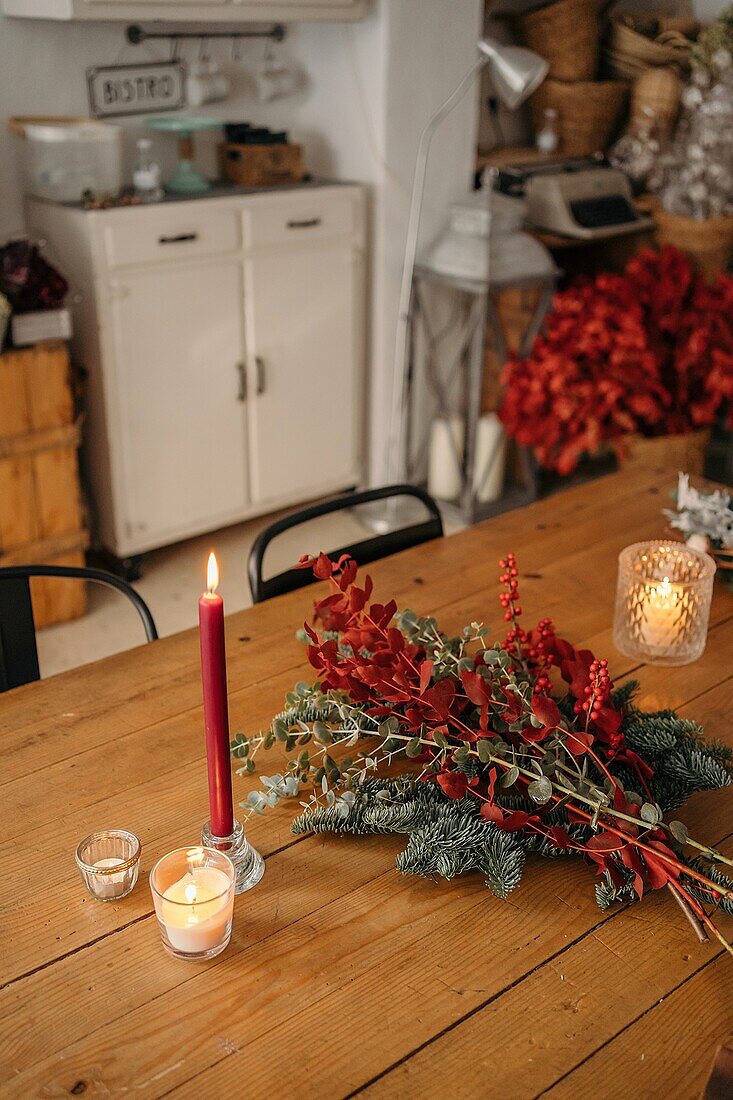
(589, 112)
(724, 562)
(629, 52)
(708, 243)
(567, 34)
(685, 451)
(657, 92)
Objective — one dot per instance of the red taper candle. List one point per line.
(216, 707)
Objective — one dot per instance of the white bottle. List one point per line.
(548, 139)
(146, 175)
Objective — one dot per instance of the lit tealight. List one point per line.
(193, 892)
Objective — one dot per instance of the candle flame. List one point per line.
(190, 892)
(212, 573)
(665, 591)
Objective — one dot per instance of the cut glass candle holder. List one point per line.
(663, 596)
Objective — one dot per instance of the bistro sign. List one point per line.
(136, 89)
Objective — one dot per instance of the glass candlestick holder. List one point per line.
(108, 863)
(663, 595)
(193, 894)
(249, 864)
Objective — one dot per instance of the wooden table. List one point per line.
(342, 977)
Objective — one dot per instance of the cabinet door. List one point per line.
(178, 370)
(303, 324)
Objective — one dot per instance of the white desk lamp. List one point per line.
(515, 74)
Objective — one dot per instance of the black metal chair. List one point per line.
(368, 550)
(18, 652)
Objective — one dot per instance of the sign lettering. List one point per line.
(136, 89)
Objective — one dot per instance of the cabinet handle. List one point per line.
(242, 375)
(180, 239)
(307, 223)
(260, 365)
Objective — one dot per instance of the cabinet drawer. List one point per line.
(299, 219)
(168, 233)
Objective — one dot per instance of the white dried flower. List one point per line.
(708, 514)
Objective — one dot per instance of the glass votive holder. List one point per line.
(108, 863)
(663, 596)
(193, 894)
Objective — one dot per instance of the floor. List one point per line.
(171, 581)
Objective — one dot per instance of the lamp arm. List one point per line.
(396, 463)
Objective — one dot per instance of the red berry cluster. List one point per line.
(597, 691)
(508, 577)
(538, 655)
(516, 639)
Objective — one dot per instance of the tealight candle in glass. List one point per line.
(108, 863)
(663, 596)
(193, 893)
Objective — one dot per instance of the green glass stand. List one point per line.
(187, 180)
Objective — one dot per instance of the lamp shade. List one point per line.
(515, 72)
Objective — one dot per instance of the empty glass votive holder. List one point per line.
(663, 596)
(108, 863)
(193, 894)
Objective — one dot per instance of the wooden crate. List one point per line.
(55, 599)
(261, 165)
(39, 473)
(41, 514)
(35, 389)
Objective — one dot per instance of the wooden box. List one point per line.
(261, 165)
(41, 515)
(55, 599)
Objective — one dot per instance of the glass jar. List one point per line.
(663, 596)
(193, 894)
(108, 863)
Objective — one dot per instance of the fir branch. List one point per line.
(724, 881)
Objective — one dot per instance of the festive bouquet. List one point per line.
(706, 521)
(707, 517)
(649, 351)
(522, 746)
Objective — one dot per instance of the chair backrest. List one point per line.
(18, 651)
(363, 552)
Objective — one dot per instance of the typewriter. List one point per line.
(581, 197)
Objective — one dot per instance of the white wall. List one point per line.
(369, 88)
(431, 46)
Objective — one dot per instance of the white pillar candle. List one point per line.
(488, 466)
(661, 611)
(197, 910)
(445, 472)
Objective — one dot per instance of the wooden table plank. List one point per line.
(331, 937)
(672, 1045)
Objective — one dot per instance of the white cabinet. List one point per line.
(177, 357)
(304, 360)
(231, 11)
(223, 340)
